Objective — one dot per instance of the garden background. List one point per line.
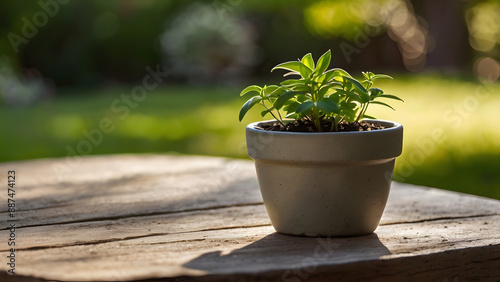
(92, 77)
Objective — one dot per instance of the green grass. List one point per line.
(450, 137)
(181, 119)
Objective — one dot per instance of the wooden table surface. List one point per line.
(151, 217)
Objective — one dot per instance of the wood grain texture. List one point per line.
(140, 217)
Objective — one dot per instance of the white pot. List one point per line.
(325, 184)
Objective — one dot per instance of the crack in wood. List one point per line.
(139, 215)
(441, 218)
(97, 242)
(178, 241)
(233, 227)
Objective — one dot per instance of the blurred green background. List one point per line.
(67, 67)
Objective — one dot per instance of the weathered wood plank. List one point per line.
(260, 250)
(102, 168)
(135, 187)
(410, 203)
(51, 236)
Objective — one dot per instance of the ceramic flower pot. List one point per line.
(325, 184)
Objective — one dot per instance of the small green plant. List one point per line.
(323, 97)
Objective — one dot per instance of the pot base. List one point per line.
(324, 235)
(327, 200)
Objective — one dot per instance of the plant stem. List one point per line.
(362, 111)
(366, 108)
(334, 125)
(279, 120)
(317, 122)
(341, 119)
(279, 114)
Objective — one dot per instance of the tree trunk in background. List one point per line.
(446, 22)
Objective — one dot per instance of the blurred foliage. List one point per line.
(203, 120)
(88, 42)
(207, 45)
(343, 18)
(84, 43)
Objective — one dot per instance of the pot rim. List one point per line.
(394, 126)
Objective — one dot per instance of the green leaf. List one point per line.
(284, 98)
(335, 97)
(294, 66)
(302, 98)
(328, 90)
(389, 96)
(381, 103)
(251, 88)
(369, 117)
(341, 72)
(353, 96)
(368, 75)
(347, 105)
(305, 107)
(292, 73)
(348, 114)
(292, 82)
(292, 107)
(356, 84)
(248, 105)
(302, 88)
(308, 61)
(327, 76)
(375, 92)
(304, 70)
(279, 91)
(363, 93)
(377, 76)
(328, 106)
(322, 92)
(269, 89)
(323, 62)
(264, 112)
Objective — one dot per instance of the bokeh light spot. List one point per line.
(487, 69)
(483, 22)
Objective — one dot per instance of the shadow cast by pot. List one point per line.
(290, 256)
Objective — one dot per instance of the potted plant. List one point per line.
(325, 169)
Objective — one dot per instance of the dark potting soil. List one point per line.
(304, 125)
